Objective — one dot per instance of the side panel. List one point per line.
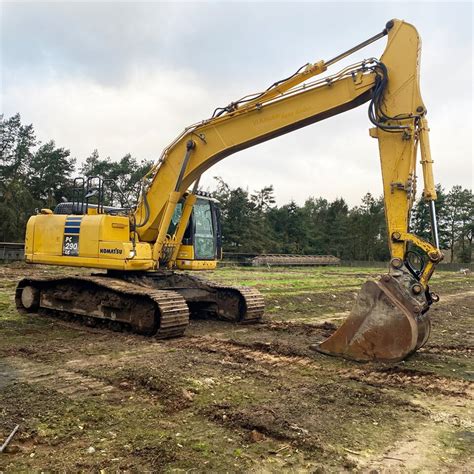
(48, 233)
(186, 252)
(89, 237)
(29, 237)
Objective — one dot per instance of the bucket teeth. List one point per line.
(386, 324)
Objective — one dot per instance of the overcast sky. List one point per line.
(128, 77)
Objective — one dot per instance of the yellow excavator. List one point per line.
(173, 227)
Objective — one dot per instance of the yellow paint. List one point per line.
(177, 238)
(196, 264)
(429, 192)
(104, 242)
(99, 262)
(186, 252)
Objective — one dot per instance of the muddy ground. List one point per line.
(229, 398)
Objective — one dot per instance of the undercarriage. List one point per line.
(155, 304)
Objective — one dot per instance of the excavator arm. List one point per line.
(203, 145)
(389, 319)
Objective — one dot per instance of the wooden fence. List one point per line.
(11, 251)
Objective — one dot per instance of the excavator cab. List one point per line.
(201, 246)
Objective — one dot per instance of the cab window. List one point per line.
(204, 242)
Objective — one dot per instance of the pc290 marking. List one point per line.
(71, 245)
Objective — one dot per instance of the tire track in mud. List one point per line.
(254, 352)
(76, 384)
(295, 327)
(400, 377)
(71, 382)
(382, 376)
(105, 360)
(436, 390)
(64, 381)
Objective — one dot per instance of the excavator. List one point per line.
(147, 252)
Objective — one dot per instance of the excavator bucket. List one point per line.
(386, 324)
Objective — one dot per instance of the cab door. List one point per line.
(204, 234)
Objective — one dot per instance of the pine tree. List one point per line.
(459, 222)
(17, 144)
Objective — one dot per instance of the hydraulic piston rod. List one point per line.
(434, 224)
(365, 43)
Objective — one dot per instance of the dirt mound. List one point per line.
(267, 421)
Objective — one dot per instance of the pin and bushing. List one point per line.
(396, 236)
(396, 262)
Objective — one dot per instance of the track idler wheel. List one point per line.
(386, 324)
(30, 297)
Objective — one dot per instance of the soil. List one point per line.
(230, 398)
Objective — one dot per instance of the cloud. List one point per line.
(140, 116)
(128, 77)
(97, 40)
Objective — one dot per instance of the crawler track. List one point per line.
(160, 313)
(252, 303)
(152, 304)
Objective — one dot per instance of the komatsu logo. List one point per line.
(111, 251)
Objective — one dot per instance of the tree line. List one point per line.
(252, 223)
(34, 175)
